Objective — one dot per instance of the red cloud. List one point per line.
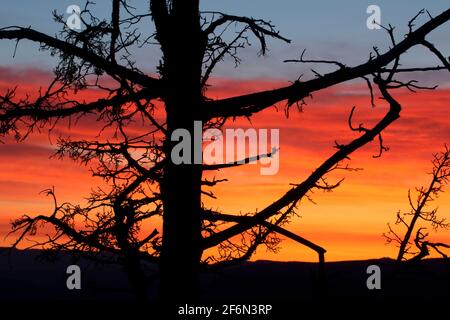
(306, 138)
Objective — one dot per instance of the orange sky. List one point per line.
(348, 222)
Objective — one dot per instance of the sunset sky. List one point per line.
(348, 222)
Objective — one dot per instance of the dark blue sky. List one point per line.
(327, 29)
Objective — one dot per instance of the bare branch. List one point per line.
(111, 68)
(246, 105)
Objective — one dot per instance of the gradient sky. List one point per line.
(348, 222)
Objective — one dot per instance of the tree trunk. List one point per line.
(417, 214)
(181, 185)
(131, 261)
(181, 251)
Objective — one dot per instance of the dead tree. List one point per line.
(414, 244)
(143, 183)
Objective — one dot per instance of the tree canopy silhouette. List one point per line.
(415, 245)
(144, 184)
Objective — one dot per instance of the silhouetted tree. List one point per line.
(144, 183)
(416, 247)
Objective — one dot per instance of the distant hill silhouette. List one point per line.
(24, 277)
